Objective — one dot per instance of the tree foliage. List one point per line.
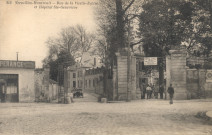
(64, 58)
(168, 23)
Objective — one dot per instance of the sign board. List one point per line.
(17, 64)
(150, 61)
(209, 76)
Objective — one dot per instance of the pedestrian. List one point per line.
(153, 89)
(161, 91)
(156, 91)
(171, 93)
(142, 89)
(148, 90)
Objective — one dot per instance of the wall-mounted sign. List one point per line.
(17, 64)
(209, 76)
(150, 61)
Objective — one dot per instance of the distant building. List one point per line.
(86, 74)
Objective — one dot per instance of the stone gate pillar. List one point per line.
(122, 92)
(176, 73)
(133, 77)
(122, 75)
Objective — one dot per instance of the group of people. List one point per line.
(153, 92)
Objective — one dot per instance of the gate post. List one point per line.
(177, 73)
(125, 90)
(122, 93)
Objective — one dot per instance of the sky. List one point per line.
(24, 28)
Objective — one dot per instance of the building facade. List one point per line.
(86, 78)
(17, 81)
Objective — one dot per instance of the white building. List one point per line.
(17, 81)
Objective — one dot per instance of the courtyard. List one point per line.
(87, 117)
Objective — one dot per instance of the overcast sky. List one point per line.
(25, 29)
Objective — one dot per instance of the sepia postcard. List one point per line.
(106, 67)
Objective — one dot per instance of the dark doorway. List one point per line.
(9, 88)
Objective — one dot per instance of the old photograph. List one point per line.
(106, 67)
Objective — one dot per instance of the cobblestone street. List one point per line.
(87, 117)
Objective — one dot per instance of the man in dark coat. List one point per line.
(161, 91)
(148, 90)
(142, 89)
(171, 93)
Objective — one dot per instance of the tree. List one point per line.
(113, 17)
(65, 59)
(74, 39)
(69, 46)
(164, 24)
(203, 20)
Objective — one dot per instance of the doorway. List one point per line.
(9, 88)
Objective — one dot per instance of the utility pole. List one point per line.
(17, 55)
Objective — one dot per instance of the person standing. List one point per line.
(161, 91)
(171, 93)
(142, 90)
(156, 92)
(148, 90)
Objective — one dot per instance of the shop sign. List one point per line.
(150, 61)
(17, 64)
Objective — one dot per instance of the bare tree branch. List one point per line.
(129, 5)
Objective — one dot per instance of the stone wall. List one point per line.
(42, 91)
(197, 86)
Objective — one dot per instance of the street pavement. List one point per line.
(88, 117)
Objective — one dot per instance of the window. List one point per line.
(85, 83)
(74, 75)
(74, 84)
(89, 83)
(68, 76)
(81, 84)
(68, 85)
(100, 78)
(93, 82)
(97, 81)
(140, 66)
